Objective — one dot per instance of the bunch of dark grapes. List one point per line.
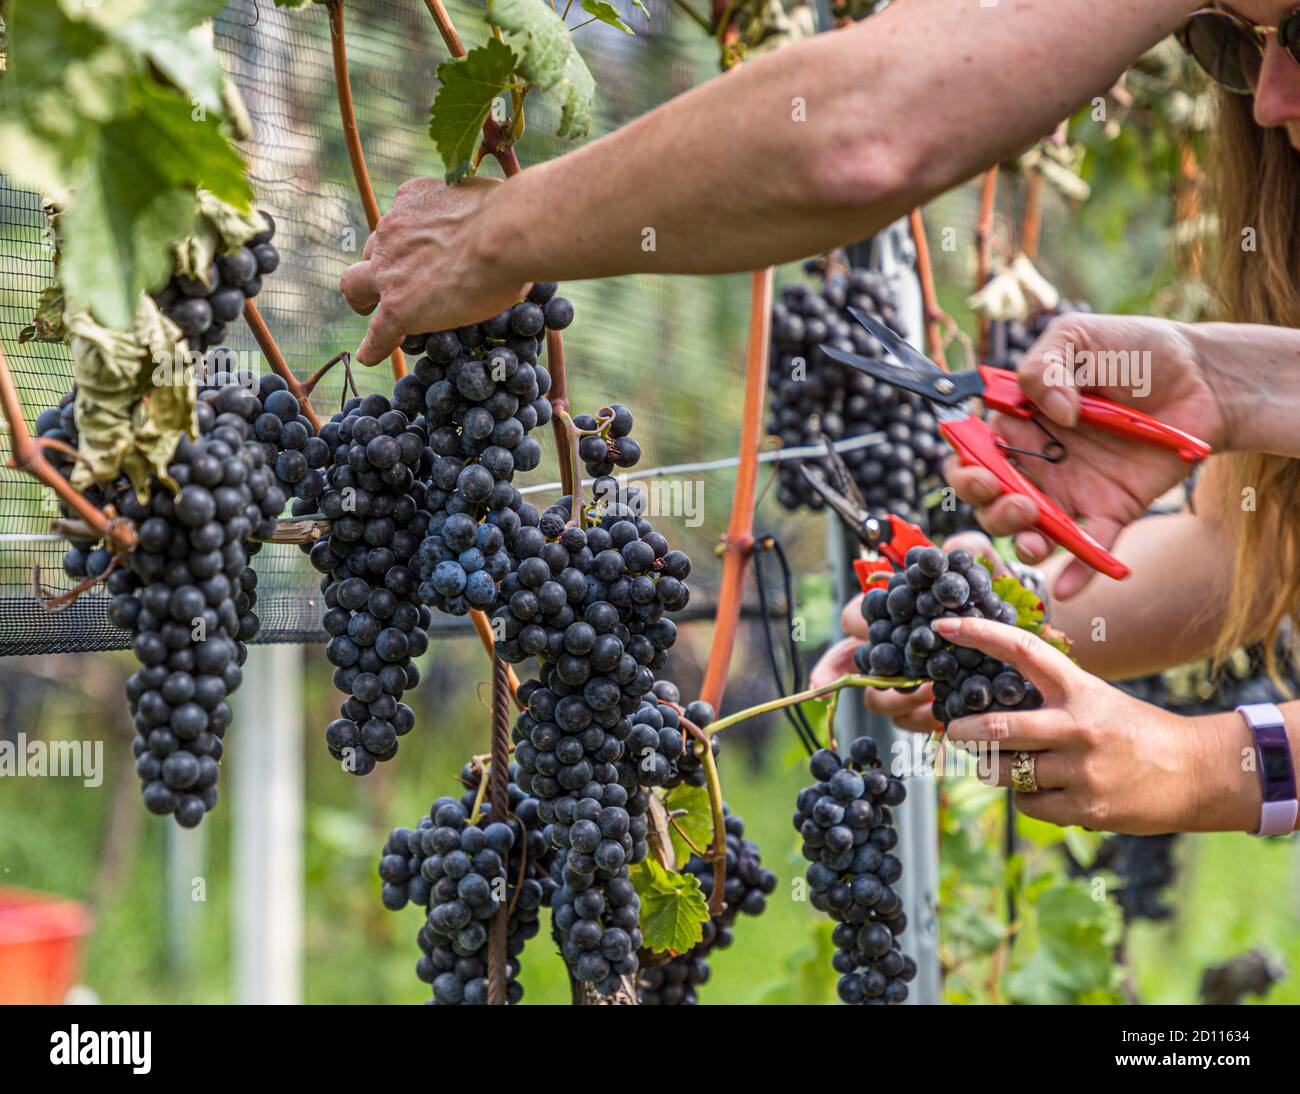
(814, 397)
(1009, 339)
(666, 754)
(186, 592)
(748, 885)
(1146, 867)
(848, 834)
(203, 307)
(902, 642)
(294, 452)
(375, 498)
(483, 394)
(606, 444)
(462, 874)
(589, 600)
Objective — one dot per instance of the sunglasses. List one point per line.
(1231, 48)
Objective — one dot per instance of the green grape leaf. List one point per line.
(87, 122)
(548, 59)
(469, 84)
(642, 9)
(578, 89)
(606, 13)
(124, 223)
(673, 908)
(161, 34)
(117, 233)
(696, 824)
(1029, 609)
(1083, 846)
(1074, 958)
(968, 927)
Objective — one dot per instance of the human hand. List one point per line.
(1107, 481)
(424, 267)
(1103, 759)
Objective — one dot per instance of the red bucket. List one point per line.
(40, 945)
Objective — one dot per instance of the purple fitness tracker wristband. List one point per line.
(1277, 815)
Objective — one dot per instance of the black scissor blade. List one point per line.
(844, 481)
(900, 376)
(906, 353)
(847, 511)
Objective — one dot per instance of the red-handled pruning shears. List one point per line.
(977, 444)
(887, 536)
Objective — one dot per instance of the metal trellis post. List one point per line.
(267, 816)
(892, 253)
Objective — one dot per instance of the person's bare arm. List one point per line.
(810, 147)
(1167, 612)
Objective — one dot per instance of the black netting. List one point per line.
(670, 348)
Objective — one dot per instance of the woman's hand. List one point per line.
(907, 710)
(423, 268)
(1103, 759)
(1109, 482)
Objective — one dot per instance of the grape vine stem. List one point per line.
(850, 681)
(493, 136)
(984, 246)
(1031, 223)
(738, 542)
(269, 347)
(484, 629)
(566, 446)
(694, 16)
(445, 27)
(352, 137)
(657, 835)
(935, 319)
(498, 779)
(497, 139)
(570, 482)
(118, 533)
(718, 849)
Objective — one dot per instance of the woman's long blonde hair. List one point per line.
(1256, 192)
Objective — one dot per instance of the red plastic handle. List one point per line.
(977, 445)
(903, 536)
(1002, 392)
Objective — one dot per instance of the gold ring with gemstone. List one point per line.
(1023, 779)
